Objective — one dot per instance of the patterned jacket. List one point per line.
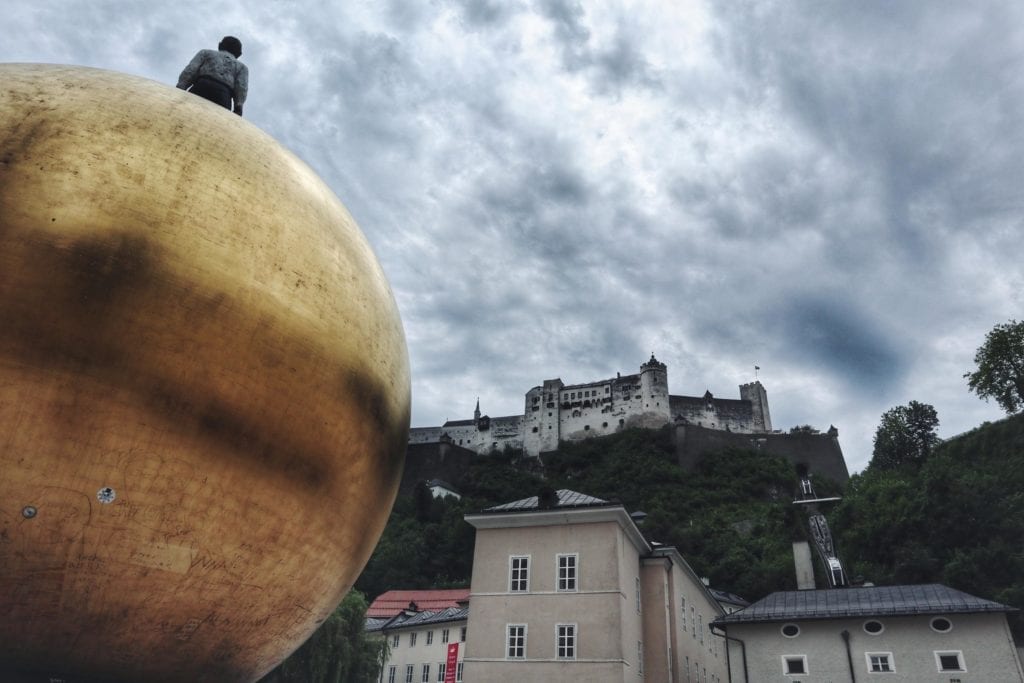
(219, 65)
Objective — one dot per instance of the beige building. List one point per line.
(874, 633)
(419, 644)
(568, 589)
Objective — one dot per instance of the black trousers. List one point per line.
(213, 90)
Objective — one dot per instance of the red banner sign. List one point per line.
(452, 663)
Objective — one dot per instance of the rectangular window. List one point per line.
(687, 669)
(794, 664)
(408, 673)
(394, 641)
(879, 662)
(693, 622)
(565, 641)
(700, 627)
(444, 635)
(430, 637)
(950, 661)
(441, 668)
(458, 673)
(638, 595)
(682, 605)
(392, 670)
(519, 573)
(640, 657)
(515, 638)
(567, 572)
(425, 677)
(412, 640)
(462, 635)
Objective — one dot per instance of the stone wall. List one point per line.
(819, 453)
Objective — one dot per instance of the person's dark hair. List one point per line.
(232, 45)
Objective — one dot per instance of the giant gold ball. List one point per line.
(204, 386)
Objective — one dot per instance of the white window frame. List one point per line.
(640, 657)
(517, 582)
(444, 635)
(430, 637)
(462, 634)
(573, 579)
(412, 639)
(785, 665)
(410, 669)
(700, 628)
(458, 673)
(392, 672)
(931, 624)
(959, 658)
(570, 641)
(442, 668)
(888, 659)
(639, 609)
(395, 640)
(508, 641)
(682, 604)
(425, 676)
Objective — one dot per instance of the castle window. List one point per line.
(879, 662)
(794, 664)
(950, 661)
(519, 573)
(566, 578)
(515, 637)
(873, 627)
(534, 430)
(604, 424)
(565, 641)
(586, 428)
(621, 422)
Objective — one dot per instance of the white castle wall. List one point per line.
(555, 412)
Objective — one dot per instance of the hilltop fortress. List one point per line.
(555, 412)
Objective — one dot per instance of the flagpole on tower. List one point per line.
(756, 368)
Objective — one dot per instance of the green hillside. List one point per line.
(957, 519)
(732, 518)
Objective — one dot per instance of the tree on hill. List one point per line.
(340, 651)
(905, 436)
(1000, 361)
(804, 429)
(956, 520)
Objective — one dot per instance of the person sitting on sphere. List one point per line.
(217, 75)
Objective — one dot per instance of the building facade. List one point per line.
(569, 590)
(420, 645)
(555, 412)
(872, 633)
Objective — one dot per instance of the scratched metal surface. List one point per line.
(204, 386)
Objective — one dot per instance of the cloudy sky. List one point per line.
(827, 189)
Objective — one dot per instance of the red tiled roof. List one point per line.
(392, 602)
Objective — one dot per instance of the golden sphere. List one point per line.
(204, 386)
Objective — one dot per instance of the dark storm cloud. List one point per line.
(558, 188)
(833, 334)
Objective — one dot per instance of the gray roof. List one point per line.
(863, 601)
(425, 618)
(727, 597)
(566, 499)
